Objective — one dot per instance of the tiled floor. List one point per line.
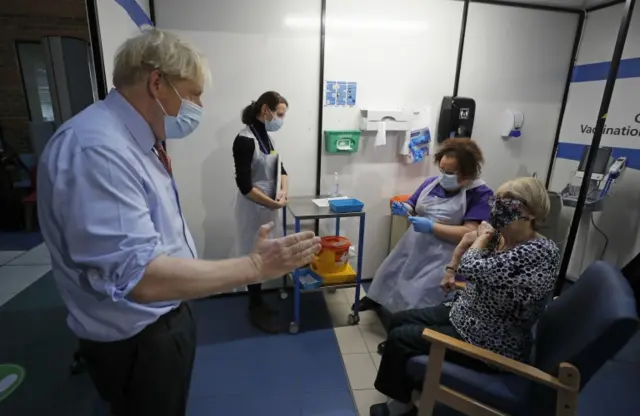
(358, 346)
(19, 269)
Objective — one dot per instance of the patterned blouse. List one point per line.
(505, 295)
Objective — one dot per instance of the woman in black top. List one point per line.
(258, 201)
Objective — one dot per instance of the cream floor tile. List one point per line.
(373, 335)
(339, 313)
(37, 256)
(360, 371)
(376, 359)
(366, 398)
(7, 256)
(350, 340)
(14, 279)
(369, 318)
(333, 297)
(350, 294)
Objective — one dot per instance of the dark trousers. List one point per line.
(149, 373)
(255, 293)
(405, 342)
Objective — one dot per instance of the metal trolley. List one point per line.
(304, 209)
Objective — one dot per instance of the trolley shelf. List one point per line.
(303, 208)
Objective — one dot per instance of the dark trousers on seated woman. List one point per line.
(405, 342)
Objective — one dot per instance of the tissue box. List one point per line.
(337, 142)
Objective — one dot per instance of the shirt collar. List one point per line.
(137, 126)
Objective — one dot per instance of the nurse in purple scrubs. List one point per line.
(441, 212)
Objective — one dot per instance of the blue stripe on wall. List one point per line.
(629, 68)
(573, 151)
(135, 12)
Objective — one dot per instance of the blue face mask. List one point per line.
(449, 182)
(183, 124)
(274, 124)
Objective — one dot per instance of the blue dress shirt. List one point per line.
(107, 207)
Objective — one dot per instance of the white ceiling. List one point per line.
(572, 4)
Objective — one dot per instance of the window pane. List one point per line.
(36, 83)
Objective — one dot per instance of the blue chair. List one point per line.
(575, 336)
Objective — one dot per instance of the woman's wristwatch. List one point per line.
(449, 268)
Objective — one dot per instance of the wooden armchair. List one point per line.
(567, 384)
(575, 336)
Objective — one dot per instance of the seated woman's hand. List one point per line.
(485, 230)
(448, 283)
(469, 238)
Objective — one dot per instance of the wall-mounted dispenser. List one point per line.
(456, 118)
(512, 122)
(341, 142)
(394, 120)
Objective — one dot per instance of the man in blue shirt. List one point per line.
(122, 255)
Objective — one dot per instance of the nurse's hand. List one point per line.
(421, 224)
(274, 257)
(282, 198)
(399, 209)
(277, 204)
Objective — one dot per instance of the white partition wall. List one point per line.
(516, 59)
(402, 57)
(619, 221)
(252, 47)
(115, 27)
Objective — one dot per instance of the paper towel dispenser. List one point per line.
(456, 118)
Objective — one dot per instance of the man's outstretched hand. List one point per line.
(274, 257)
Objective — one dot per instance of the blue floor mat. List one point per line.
(262, 374)
(19, 241)
(238, 369)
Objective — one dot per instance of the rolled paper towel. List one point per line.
(381, 136)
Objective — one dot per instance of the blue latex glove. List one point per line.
(421, 224)
(398, 208)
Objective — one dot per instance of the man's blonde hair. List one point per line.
(156, 49)
(533, 193)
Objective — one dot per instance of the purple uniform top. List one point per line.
(478, 208)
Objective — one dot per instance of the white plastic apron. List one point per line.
(250, 216)
(410, 276)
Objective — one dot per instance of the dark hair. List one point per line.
(270, 98)
(466, 152)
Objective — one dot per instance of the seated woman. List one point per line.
(442, 211)
(510, 270)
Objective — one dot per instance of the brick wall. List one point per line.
(30, 20)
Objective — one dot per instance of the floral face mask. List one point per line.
(506, 210)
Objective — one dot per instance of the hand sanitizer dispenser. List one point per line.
(456, 118)
(512, 122)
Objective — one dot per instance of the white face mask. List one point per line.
(274, 124)
(449, 182)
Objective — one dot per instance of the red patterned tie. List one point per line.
(163, 156)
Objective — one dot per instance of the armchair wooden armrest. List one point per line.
(566, 384)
